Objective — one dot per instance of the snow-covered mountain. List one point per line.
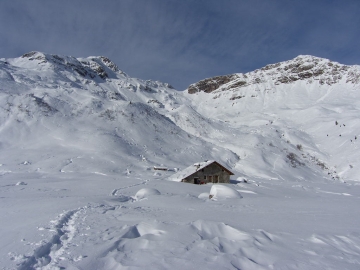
(265, 123)
(307, 107)
(92, 114)
(302, 68)
(79, 138)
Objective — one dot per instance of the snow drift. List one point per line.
(221, 192)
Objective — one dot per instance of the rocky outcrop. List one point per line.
(211, 84)
(309, 67)
(110, 64)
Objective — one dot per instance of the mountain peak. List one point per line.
(86, 67)
(33, 55)
(302, 68)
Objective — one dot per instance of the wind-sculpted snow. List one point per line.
(222, 192)
(274, 226)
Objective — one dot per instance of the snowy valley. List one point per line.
(79, 139)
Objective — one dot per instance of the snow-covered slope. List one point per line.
(67, 114)
(79, 139)
(306, 109)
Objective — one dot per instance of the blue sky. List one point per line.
(183, 41)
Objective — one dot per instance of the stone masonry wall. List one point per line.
(210, 172)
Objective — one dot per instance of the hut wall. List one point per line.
(211, 170)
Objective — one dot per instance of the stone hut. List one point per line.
(204, 172)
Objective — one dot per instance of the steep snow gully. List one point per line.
(79, 140)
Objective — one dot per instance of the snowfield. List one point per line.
(77, 222)
(79, 140)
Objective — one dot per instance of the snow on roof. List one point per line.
(190, 170)
(180, 175)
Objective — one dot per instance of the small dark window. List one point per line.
(202, 170)
(204, 177)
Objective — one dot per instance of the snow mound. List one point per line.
(220, 192)
(204, 196)
(142, 229)
(199, 243)
(209, 230)
(145, 193)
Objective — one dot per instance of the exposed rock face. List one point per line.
(109, 63)
(306, 67)
(211, 84)
(302, 68)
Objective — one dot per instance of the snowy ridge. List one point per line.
(87, 67)
(304, 68)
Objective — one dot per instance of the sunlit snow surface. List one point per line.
(78, 189)
(83, 221)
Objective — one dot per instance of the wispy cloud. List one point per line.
(183, 41)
